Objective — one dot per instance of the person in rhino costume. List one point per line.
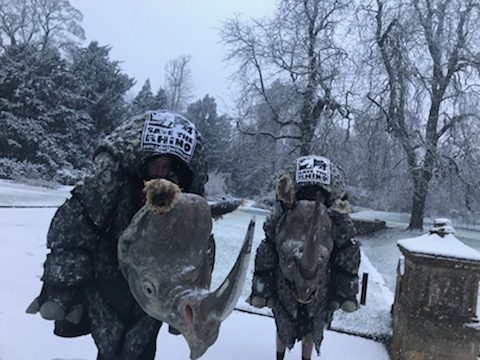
(303, 297)
(83, 289)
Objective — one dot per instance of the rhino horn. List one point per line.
(309, 260)
(204, 312)
(222, 301)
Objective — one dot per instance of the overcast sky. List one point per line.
(145, 34)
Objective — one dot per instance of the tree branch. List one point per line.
(265, 133)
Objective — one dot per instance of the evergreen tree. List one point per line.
(144, 100)
(101, 86)
(216, 130)
(160, 101)
(39, 120)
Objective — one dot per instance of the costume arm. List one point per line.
(266, 259)
(345, 258)
(74, 234)
(79, 224)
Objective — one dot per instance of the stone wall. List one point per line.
(363, 227)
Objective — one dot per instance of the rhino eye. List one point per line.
(149, 288)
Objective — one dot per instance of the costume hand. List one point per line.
(334, 305)
(345, 305)
(257, 301)
(270, 303)
(350, 306)
(55, 303)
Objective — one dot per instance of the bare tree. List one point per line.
(297, 48)
(58, 21)
(46, 22)
(17, 22)
(429, 52)
(178, 82)
(460, 156)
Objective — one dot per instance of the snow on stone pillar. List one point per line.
(434, 313)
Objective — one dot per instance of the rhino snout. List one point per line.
(198, 325)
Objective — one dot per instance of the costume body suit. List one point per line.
(82, 266)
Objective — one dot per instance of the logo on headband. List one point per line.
(168, 133)
(313, 170)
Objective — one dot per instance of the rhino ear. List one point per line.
(285, 190)
(342, 206)
(161, 194)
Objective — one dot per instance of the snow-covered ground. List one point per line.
(382, 250)
(242, 335)
(469, 234)
(15, 194)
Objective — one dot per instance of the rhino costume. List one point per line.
(307, 265)
(81, 272)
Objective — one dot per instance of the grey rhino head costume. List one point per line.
(163, 256)
(303, 255)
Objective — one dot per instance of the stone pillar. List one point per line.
(434, 313)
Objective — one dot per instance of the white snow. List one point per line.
(15, 194)
(435, 245)
(401, 221)
(28, 337)
(372, 319)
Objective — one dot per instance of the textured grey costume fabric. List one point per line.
(82, 266)
(339, 283)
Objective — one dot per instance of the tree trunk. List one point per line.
(421, 176)
(421, 179)
(306, 129)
